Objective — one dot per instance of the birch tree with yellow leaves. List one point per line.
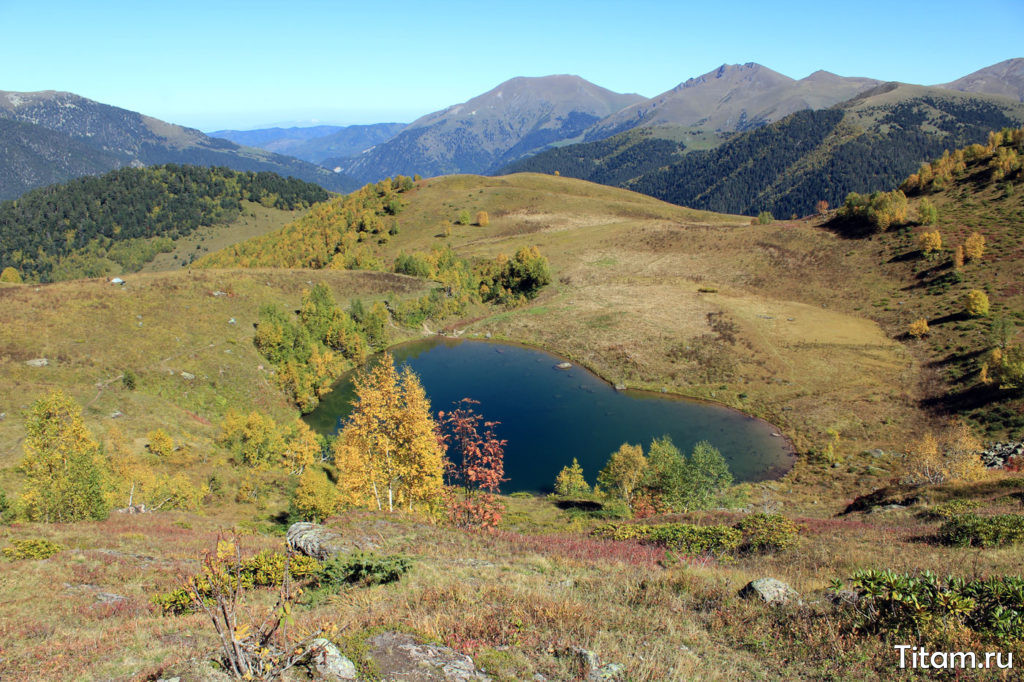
(388, 454)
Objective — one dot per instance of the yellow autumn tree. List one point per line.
(977, 303)
(131, 478)
(954, 455)
(482, 219)
(623, 473)
(65, 475)
(974, 246)
(316, 497)
(135, 481)
(918, 328)
(958, 257)
(930, 241)
(254, 439)
(160, 443)
(10, 275)
(301, 449)
(387, 453)
(570, 481)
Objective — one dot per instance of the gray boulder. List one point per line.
(398, 656)
(321, 542)
(37, 362)
(769, 590)
(328, 663)
(593, 670)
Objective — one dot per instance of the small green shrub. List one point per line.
(36, 548)
(362, 568)
(763, 533)
(265, 569)
(902, 603)
(130, 380)
(950, 508)
(681, 537)
(174, 603)
(971, 530)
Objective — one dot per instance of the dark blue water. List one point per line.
(550, 415)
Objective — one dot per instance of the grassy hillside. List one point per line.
(974, 191)
(652, 295)
(801, 322)
(158, 325)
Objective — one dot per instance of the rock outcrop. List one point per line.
(769, 590)
(321, 542)
(998, 455)
(328, 663)
(400, 657)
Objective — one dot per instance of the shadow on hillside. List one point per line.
(952, 317)
(956, 358)
(850, 228)
(914, 254)
(965, 400)
(582, 505)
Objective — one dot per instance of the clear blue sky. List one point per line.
(231, 64)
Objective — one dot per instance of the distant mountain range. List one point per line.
(733, 97)
(327, 146)
(758, 147)
(48, 137)
(1005, 79)
(560, 123)
(517, 118)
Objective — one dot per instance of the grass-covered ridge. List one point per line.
(89, 226)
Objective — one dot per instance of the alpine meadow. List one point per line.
(552, 383)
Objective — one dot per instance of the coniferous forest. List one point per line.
(170, 201)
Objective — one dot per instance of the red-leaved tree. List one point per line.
(474, 463)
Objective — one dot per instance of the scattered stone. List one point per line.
(843, 597)
(593, 670)
(996, 455)
(876, 453)
(188, 376)
(232, 321)
(487, 335)
(610, 671)
(96, 590)
(133, 509)
(620, 387)
(769, 590)
(3, 416)
(398, 657)
(116, 280)
(116, 414)
(328, 663)
(37, 362)
(564, 365)
(221, 293)
(110, 598)
(321, 542)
